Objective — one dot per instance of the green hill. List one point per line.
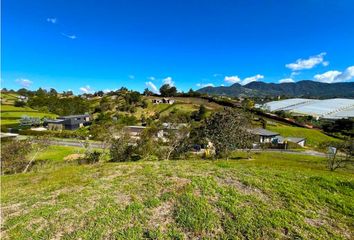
(10, 115)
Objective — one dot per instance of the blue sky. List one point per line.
(87, 45)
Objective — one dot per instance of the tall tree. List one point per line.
(168, 91)
(228, 130)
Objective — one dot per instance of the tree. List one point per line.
(168, 91)
(176, 140)
(228, 130)
(264, 123)
(339, 153)
(53, 92)
(105, 132)
(200, 114)
(19, 103)
(147, 92)
(29, 121)
(121, 150)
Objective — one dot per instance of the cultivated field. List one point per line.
(10, 115)
(274, 195)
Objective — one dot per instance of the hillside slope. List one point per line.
(304, 88)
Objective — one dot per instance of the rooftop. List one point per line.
(263, 132)
(74, 116)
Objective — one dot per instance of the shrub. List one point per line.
(120, 150)
(19, 103)
(90, 158)
(14, 156)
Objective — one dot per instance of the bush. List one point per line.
(90, 158)
(14, 156)
(19, 103)
(120, 150)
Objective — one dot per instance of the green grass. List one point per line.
(10, 115)
(273, 196)
(313, 137)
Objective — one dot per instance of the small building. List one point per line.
(22, 98)
(297, 140)
(163, 100)
(168, 101)
(134, 131)
(264, 136)
(70, 122)
(156, 101)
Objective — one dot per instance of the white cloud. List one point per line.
(86, 89)
(327, 77)
(309, 63)
(347, 75)
(202, 85)
(252, 79)
(131, 77)
(168, 81)
(232, 79)
(69, 36)
(336, 76)
(236, 79)
(24, 82)
(52, 20)
(152, 87)
(151, 78)
(286, 80)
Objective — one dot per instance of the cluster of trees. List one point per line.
(55, 104)
(223, 132)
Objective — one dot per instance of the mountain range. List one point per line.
(304, 88)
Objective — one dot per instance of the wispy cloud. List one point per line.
(168, 81)
(336, 76)
(309, 63)
(131, 77)
(252, 79)
(204, 85)
(152, 87)
(286, 80)
(236, 79)
(217, 75)
(52, 20)
(24, 82)
(86, 89)
(151, 78)
(232, 79)
(69, 36)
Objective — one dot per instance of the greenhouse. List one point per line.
(329, 108)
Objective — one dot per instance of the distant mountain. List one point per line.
(305, 88)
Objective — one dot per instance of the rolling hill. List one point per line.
(305, 88)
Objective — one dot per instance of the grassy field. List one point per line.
(10, 115)
(313, 137)
(274, 195)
